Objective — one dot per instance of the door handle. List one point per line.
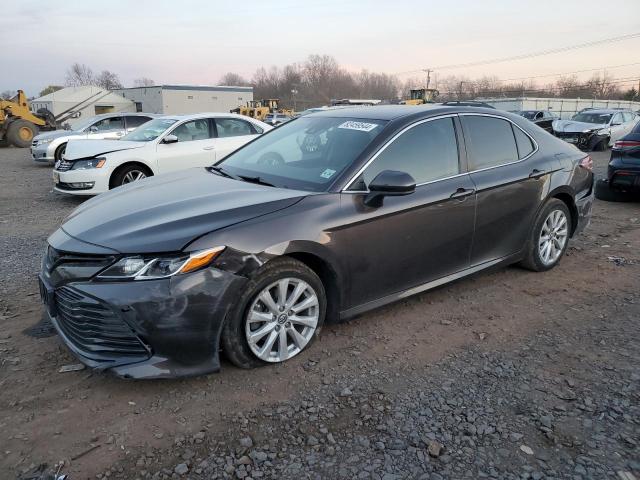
(209, 148)
(535, 173)
(462, 193)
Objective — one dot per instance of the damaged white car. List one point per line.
(595, 129)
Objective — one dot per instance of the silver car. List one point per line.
(50, 146)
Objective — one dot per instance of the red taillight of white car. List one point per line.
(622, 144)
(587, 163)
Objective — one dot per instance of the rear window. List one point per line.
(491, 141)
(524, 143)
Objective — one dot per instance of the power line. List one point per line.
(539, 53)
(569, 73)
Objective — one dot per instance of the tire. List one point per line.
(605, 193)
(238, 327)
(20, 133)
(553, 210)
(59, 152)
(603, 145)
(128, 174)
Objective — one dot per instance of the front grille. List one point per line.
(64, 165)
(566, 134)
(96, 331)
(61, 267)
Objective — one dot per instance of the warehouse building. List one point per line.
(563, 107)
(181, 99)
(75, 104)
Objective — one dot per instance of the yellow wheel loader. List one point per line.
(18, 125)
(420, 96)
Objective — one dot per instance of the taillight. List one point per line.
(620, 144)
(587, 163)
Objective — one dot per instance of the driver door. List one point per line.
(618, 128)
(195, 147)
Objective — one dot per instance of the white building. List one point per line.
(563, 107)
(182, 99)
(75, 104)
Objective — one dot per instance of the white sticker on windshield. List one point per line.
(361, 126)
(328, 173)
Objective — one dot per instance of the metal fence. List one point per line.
(563, 107)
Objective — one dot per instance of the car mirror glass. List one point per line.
(93, 129)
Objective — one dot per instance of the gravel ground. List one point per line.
(506, 375)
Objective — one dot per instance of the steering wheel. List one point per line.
(271, 158)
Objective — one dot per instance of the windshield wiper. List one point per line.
(222, 171)
(257, 180)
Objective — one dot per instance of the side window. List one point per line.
(136, 121)
(113, 123)
(427, 152)
(490, 141)
(233, 127)
(524, 143)
(617, 118)
(193, 130)
(628, 117)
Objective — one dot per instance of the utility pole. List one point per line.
(428, 72)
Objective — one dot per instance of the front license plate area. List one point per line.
(48, 296)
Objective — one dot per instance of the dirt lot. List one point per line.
(509, 374)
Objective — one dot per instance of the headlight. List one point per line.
(588, 130)
(44, 141)
(145, 268)
(91, 163)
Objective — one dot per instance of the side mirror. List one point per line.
(615, 124)
(389, 183)
(170, 139)
(93, 129)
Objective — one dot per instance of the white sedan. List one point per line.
(165, 144)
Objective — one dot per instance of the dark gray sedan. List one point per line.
(326, 217)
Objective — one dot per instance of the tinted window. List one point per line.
(525, 145)
(232, 127)
(114, 123)
(133, 122)
(193, 130)
(427, 152)
(490, 141)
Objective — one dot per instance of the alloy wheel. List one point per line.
(553, 237)
(282, 319)
(133, 176)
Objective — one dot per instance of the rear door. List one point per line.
(509, 179)
(232, 133)
(413, 239)
(195, 147)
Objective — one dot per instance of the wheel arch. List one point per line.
(566, 196)
(129, 163)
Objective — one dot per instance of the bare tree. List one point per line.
(108, 80)
(8, 94)
(143, 82)
(235, 79)
(78, 75)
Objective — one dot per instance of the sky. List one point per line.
(197, 41)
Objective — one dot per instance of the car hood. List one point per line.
(91, 148)
(57, 134)
(167, 212)
(571, 126)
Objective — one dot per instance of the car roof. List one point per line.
(605, 110)
(195, 116)
(392, 112)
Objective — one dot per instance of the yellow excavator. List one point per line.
(259, 109)
(18, 125)
(420, 96)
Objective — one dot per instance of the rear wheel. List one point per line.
(549, 238)
(278, 315)
(20, 133)
(129, 174)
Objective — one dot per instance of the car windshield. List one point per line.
(308, 153)
(588, 117)
(528, 114)
(150, 130)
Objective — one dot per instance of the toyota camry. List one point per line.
(326, 217)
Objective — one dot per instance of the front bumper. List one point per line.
(145, 329)
(43, 153)
(63, 182)
(584, 141)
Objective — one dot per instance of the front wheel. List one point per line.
(20, 133)
(60, 152)
(128, 174)
(278, 315)
(549, 238)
